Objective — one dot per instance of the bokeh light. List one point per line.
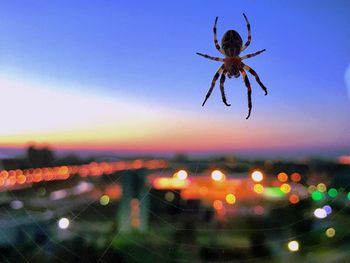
(16, 204)
(330, 232)
(169, 196)
(259, 210)
(257, 176)
(217, 176)
(182, 175)
(296, 177)
(328, 209)
(285, 188)
(258, 188)
(230, 199)
(63, 223)
(217, 204)
(317, 196)
(282, 177)
(322, 187)
(293, 245)
(104, 200)
(293, 198)
(332, 192)
(320, 213)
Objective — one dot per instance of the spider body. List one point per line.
(232, 66)
(231, 47)
(231, 43)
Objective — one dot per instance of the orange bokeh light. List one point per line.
(282, 177)
(21, 179)
(4, 174)
(293, 198)
(217, 204)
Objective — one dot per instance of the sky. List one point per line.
(124, 76)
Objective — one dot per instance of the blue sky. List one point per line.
(144, 53)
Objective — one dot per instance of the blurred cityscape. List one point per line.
(179, 209)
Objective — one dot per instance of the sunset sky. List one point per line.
(124, 76)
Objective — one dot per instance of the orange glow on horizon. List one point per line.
(77, 120)
(139, 127)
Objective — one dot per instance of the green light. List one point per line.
(317, 196)
(333, 192)
(349, 195)
(273, 192)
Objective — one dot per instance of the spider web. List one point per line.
(93, 234)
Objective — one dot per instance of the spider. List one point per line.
(231, 47)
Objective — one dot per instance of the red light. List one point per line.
(293, 199)
(296, 177)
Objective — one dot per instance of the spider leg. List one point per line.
(215, 39)
(222, 81)
(251, 71)
(253, 54)
(216, 76)
(247, 83)
(249, 34)
(209, 57)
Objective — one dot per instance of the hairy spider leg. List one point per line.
(253, 54)
(210, 57)
(222, 89)
(249, 34)
(247, 83)
(215, 39)
(216, 76)
(251, 71)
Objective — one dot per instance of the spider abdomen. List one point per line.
(231, 43)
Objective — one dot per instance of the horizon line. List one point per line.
(287, 152)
